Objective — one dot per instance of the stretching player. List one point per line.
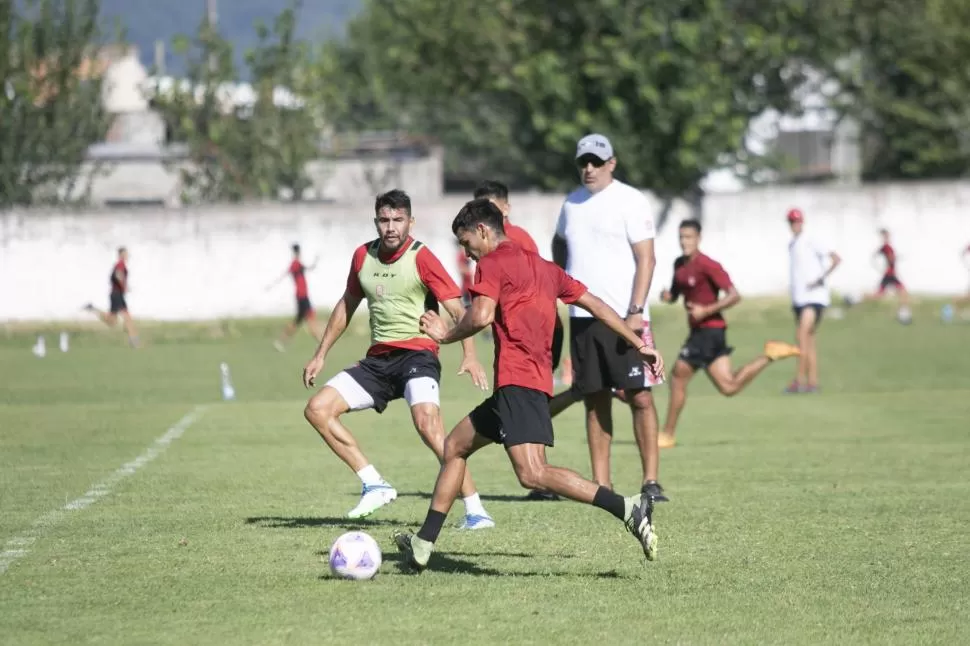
(515, 292)
(400, 278)
(701, 280)
(118, 304)
(498, 194)
(304, 310)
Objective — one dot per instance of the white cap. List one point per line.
(595, 144)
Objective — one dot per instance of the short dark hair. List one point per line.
(884, 232)
(296, 248)
(691, 224)
(121, 250)
(393, 199)
(479, 210)
(492, 189)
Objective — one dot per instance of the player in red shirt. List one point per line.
(708, 291)
(304, 309)
(515, 292)
(890, 280)
(118, 304)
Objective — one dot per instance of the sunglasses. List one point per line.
(583, 161)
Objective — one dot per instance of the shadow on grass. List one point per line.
(426, 495)
(447, 564)
(301, 522)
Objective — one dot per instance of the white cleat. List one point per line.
(477, 521)
(372, 498)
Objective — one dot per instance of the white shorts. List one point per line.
(421, 390)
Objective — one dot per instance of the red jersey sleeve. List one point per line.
(353, 278)
(434, 276)
(718, 275)
(295, 267)
(570, 289)
(488, 279)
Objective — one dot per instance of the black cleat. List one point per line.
(537, 495)
(654, 492)
(640, 524)
(403, 542)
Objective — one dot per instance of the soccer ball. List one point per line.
(904, 315)
(355, 555)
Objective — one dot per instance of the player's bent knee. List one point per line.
(529, 476)
(326, 404)
(641, 400)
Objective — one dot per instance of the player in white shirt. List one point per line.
(604, 238)
(810, 265)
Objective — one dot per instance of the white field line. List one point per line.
(18, 546)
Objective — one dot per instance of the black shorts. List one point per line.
(386, 376)
(819, 310)
(304, 310)
(703, 346)
(558, 340)
(891, 281)
(514, 415)
(601, 359)
(118, 303)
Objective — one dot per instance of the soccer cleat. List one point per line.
(653, 492)
(640, 524)
(477, 521)
(537, 495)
(372, 498)
(416, 552)
(793, 388)
(776, 350)
(666, 440)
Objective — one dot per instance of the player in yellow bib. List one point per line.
(400, 278)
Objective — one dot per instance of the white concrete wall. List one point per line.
(216, 262)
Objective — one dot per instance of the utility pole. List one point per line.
(212, 19)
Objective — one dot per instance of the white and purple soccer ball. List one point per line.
(355, 555)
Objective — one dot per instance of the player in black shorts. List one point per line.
(515, 291)
(118, 305)
(708, 291)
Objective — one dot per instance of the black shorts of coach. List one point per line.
(385, 376)
(602, 360)
(704, 346)
(818, 308)
(117, 301)
(514, 415)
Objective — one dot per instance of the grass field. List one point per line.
(833, 518)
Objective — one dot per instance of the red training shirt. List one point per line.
(465, 269)
(298, 272)
(890, 254)
(432, 274)
(700, 279)
(525, 288)
(119, 285)
(520, 236)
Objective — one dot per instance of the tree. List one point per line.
(512, 84)
(902, 76)
(240, 151)
(50, 106)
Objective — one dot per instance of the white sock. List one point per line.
(473, 506)
(369, 475)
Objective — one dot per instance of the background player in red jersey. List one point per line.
(118, 304)
(304, 309)
(708, 291)
(515, 292)
(890, 279)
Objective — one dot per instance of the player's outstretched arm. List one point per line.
(469, 362)
(600, 310)
(478, 317)
(336, 325)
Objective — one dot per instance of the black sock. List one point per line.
(433, 523)
(610, 501)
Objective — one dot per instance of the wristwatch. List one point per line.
(635, 309)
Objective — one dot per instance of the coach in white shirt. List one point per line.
(810, 265)
(604, 238)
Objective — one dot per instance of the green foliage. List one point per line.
(907, 82)
(50, 109)
(237, 153)
(514, 83)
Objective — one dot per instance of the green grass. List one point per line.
(836, 518)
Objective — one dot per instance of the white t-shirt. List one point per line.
(599, 229)
(808, 261)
